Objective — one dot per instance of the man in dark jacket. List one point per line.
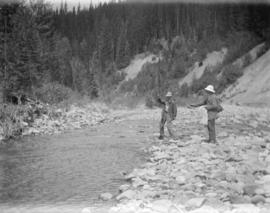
(169, 112)
(213, 107)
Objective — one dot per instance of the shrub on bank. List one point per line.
(239, 44)
(54, 93)
(149, 101)
(12, 120)
(184, 90)
(17, 120)
(232, 73)
(208, 77)
(128, 100)
(128, 86)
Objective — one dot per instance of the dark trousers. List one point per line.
(212, 130)
(166, 118)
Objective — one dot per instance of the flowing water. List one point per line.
(68, 171)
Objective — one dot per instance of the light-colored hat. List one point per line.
(210, 88)
(169, 94)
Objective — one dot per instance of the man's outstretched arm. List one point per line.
(203, 102)
(159, 101)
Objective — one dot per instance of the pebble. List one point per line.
(123, 188)
(106, 196)
(181, 180)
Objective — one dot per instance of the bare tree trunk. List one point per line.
(5, 68)
(215, 23)
(177, 21)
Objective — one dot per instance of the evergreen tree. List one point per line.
(84, 48)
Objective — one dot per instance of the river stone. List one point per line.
(257, 199)
(267, 169)
(124, 187)
(145, 210)
(106, 196)
(176, 209)
(132, 206)
(145, 194)
(137, 182)
(129, 194)
(266, 189)
(224, 134)
(237, 187)
(264, 210)
(161, 205)
(265, 179)
(113, 209)
(131, 175)
(181, 180)
(124, 209)
(211, 194)
(204, 209)
(236, 199)
(250, 189)
(86, 210)
(195, 203)
(246, 208)
(259, 191)
(146, 187)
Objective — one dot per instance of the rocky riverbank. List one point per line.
(75, 117)
(29, 120)
(187, 175)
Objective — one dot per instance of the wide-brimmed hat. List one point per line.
(210, 88)
(169, 94)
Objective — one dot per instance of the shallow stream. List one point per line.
(69, 171)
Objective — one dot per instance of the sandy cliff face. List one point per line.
(212, 59)
(253, 88)
(137, 64)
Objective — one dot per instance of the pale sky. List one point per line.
(86, 3)
(72, 3)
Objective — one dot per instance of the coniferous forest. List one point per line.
(83, 49)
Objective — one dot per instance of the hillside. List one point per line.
(85, 50)
(212, 59)
(245, 60)
(137, 63)
(253, 88)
